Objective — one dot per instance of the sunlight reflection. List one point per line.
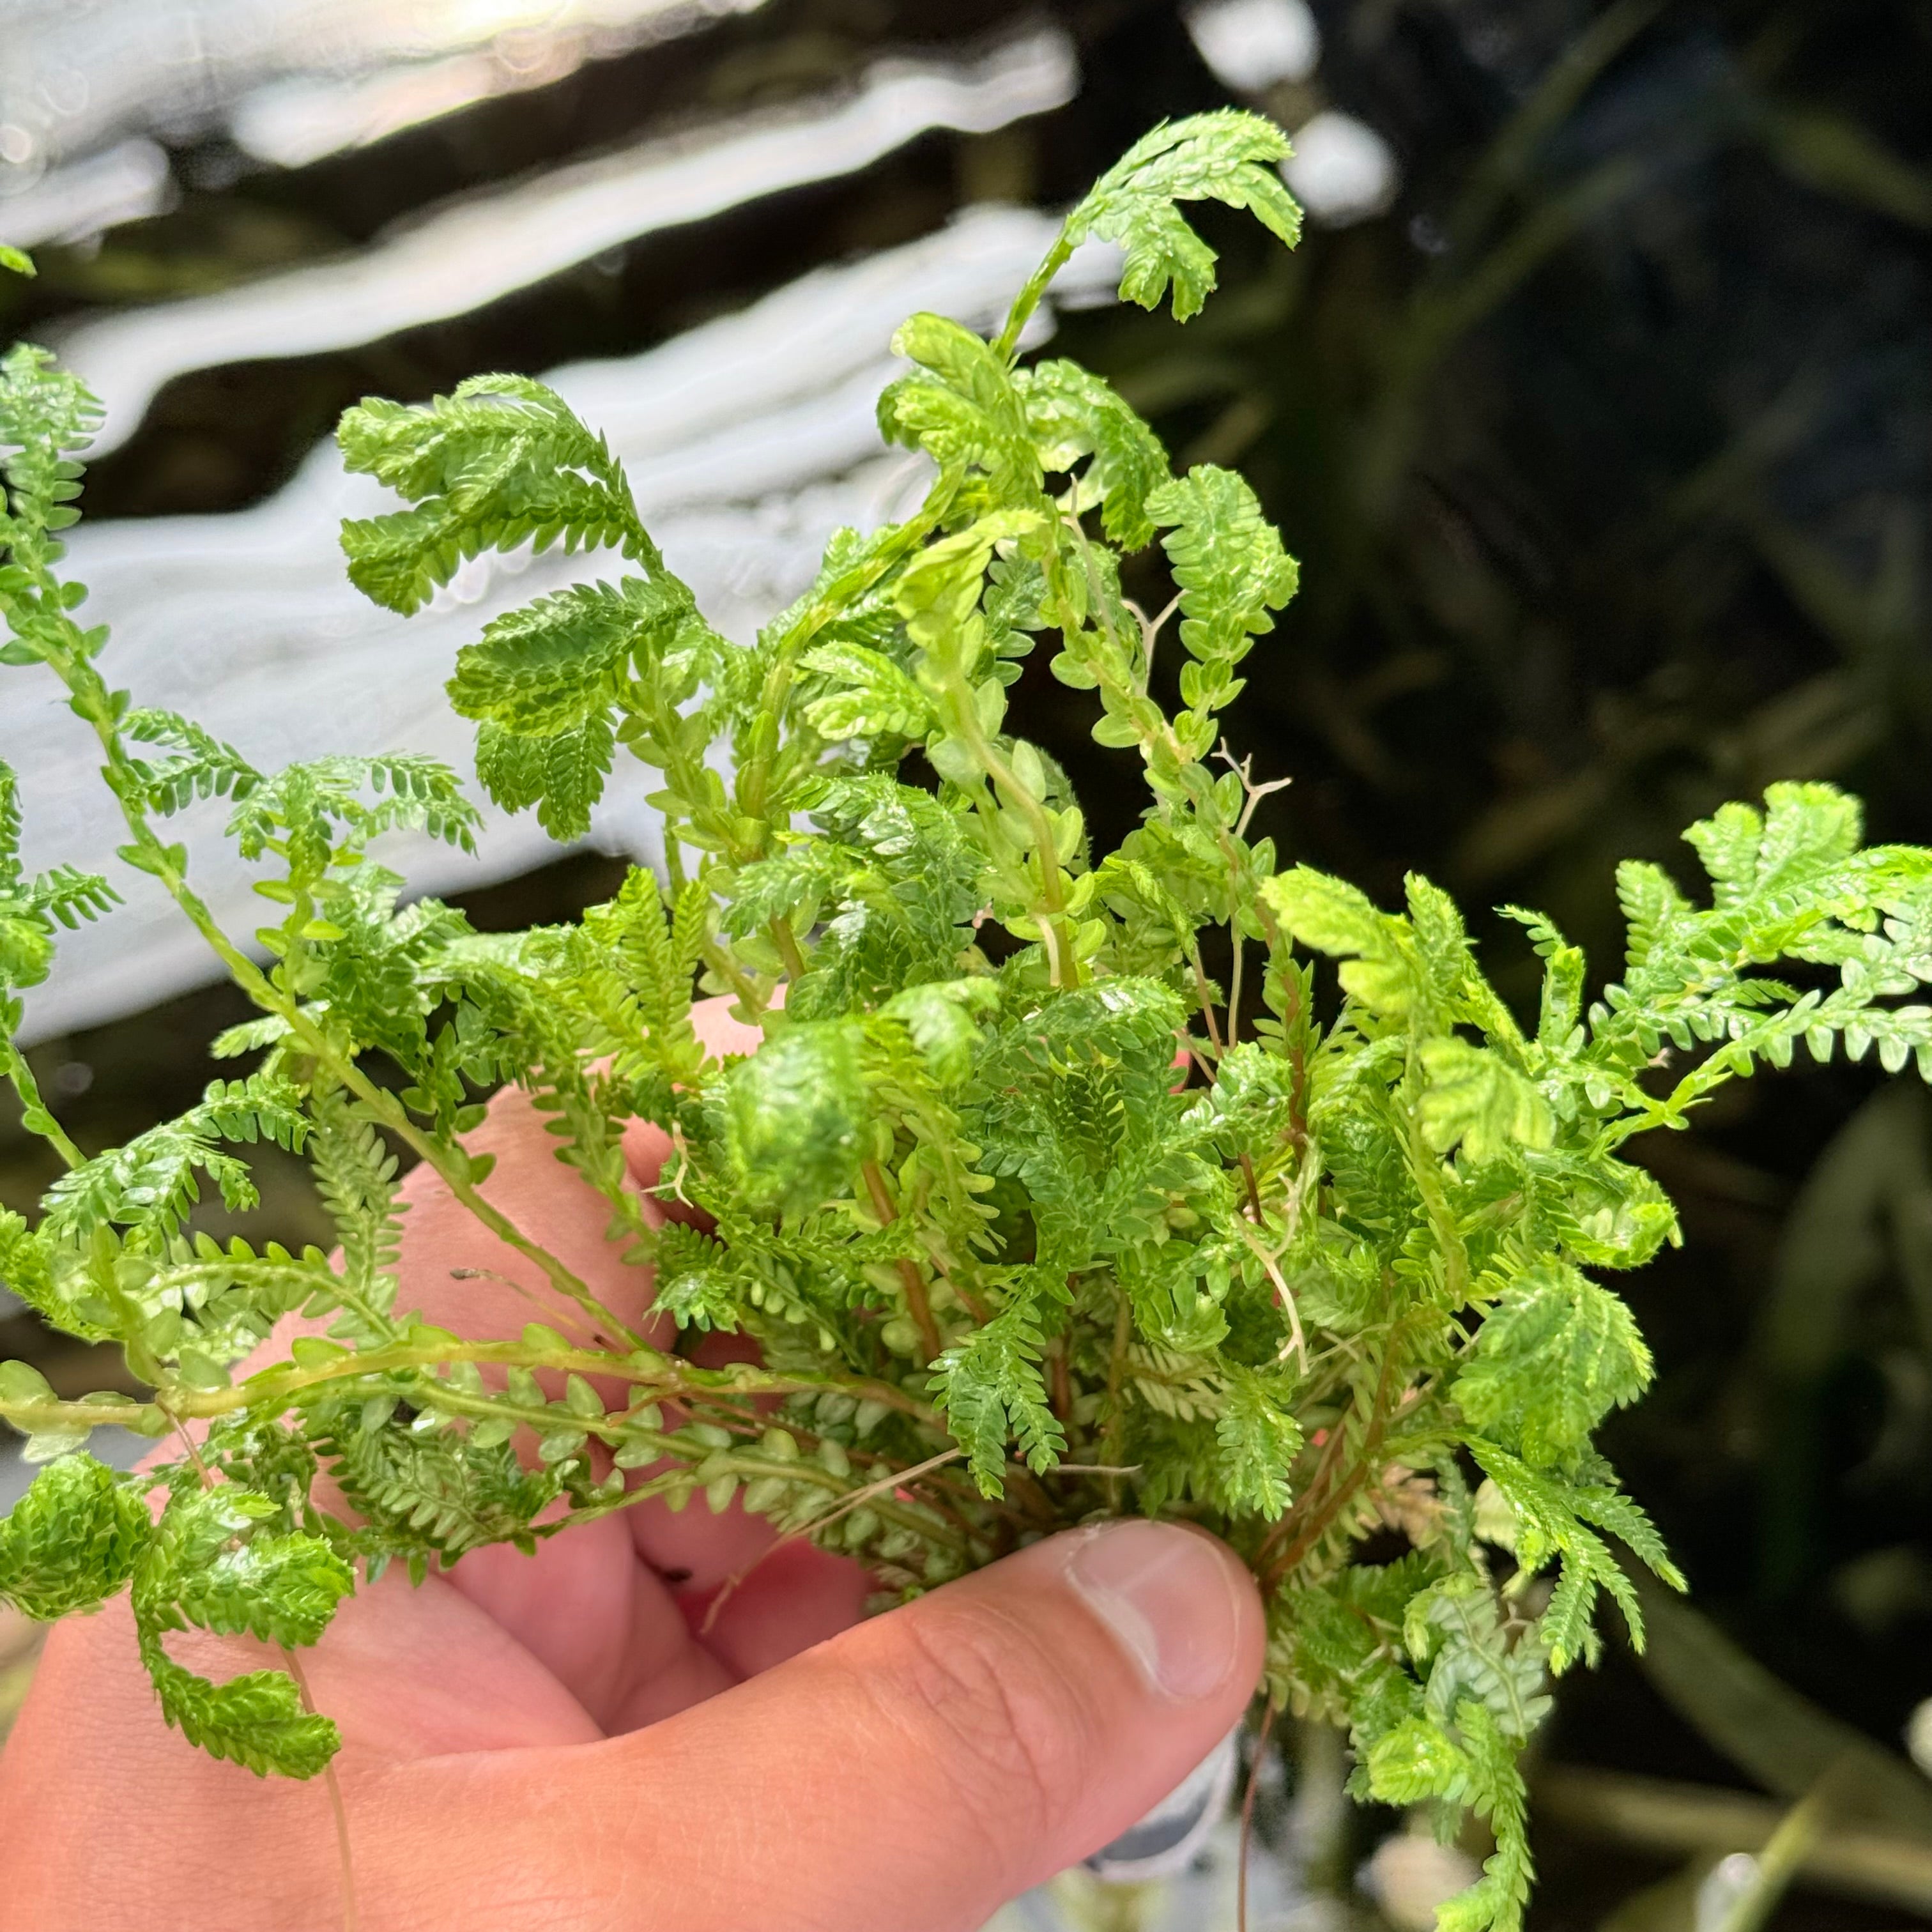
(294, 121)
(75, 202)
(478, 250)
(79, 73)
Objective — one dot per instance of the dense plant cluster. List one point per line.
(1032, 1216)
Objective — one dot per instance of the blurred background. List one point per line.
(1596, 403)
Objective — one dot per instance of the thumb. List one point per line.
(917, 1772)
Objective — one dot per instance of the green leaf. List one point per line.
(323, 811)
(212, 1563)
(10, 826)
(1259, 1440)
(792, 1113)
(72, 1540)
(575, 766)
(1561, 1004)
(1331, 916)
(1553, 1358)
(1455, 1628)
(1744, 850)
(551, 667)
(257, 1720)
(48, 418)
(1074, 416)
(1415, 1761)
(990, 1386)
(150, 1184)
(872, 697)
(1228, 156)
(1651, 905)
(1475, 1768)
(697, 1283)
(500, 462)
(943, 1017)
(355, 1176)
(205, 766)
(1227, 563)
(43, 1275)
(1477, 1100)
(1553, 1516)
(961, 406)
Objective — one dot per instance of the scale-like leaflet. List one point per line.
(1073, 414)
(1232, 573)
(1475, 1768)
(1230, 156)
(355, 1176)
(30, 908)
(203, 766)
(295, 812)
(1552, 1516)
(1553, 1358)
(72, 1540)
(1259, 1439)
(148, 1185)
(501, 462)
(992, 1390)
(428, 1494)
(209, 1565)
(961, 407)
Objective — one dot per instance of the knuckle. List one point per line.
(1006, 1730)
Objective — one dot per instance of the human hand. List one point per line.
(558, 1741)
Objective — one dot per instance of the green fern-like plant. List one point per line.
(1030, 1220)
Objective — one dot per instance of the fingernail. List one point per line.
(1168, 1595)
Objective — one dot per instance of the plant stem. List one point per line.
(1116, 1369)
(1028, 299)
(918, 1304)
(352, 1917)
(1317, 1512)
(670, 1378)
(1204, 997)
(1241, 1858)
(40, 1118)
(787, 942)
(754, 788)
(1050, 918)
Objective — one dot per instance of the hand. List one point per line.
(554, 1741)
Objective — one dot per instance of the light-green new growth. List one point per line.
(1056, 1223)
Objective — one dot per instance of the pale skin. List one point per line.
(558, 1741)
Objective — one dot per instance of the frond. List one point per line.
(1228, 157)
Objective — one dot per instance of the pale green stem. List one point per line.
(21, 1076)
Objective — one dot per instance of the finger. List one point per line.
(791, 1597)
(583, 1603)
(909, 1776)
(406, 1671)
(605, 1626)
(465, 1278)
